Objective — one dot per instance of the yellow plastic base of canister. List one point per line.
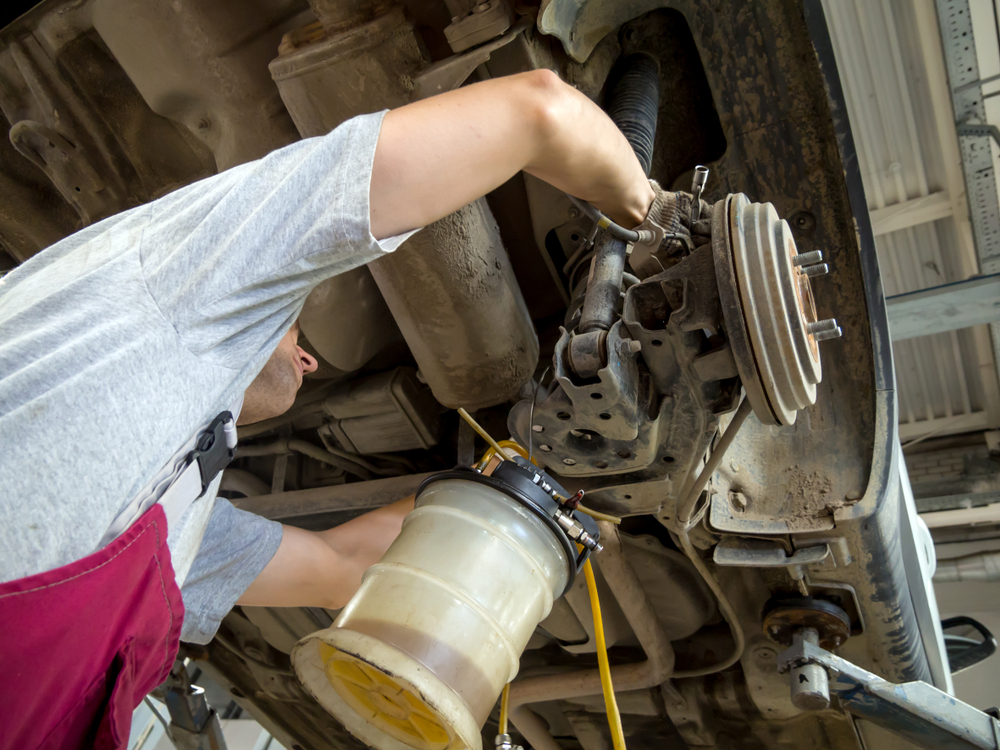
(383, 697)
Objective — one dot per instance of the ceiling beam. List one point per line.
(944, 308)
(909, 213)
(912, 432)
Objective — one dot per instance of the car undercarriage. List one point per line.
(498, 309)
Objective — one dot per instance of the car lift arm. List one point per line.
(915, 711)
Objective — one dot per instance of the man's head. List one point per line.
(273, 391)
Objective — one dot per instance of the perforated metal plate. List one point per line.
(959, 46)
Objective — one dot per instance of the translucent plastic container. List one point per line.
(421, 653)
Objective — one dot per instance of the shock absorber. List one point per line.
(632, 106)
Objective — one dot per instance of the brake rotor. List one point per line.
(768, 306)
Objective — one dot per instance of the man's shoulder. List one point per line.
(80, 258)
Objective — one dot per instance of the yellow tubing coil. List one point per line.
(610, 704)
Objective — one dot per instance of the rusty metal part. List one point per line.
(203, 65)
(588, 353)
(327, 502)
(596, 427)
(651, 415)
(67, 167)
(769, 308)
(632, 105)
(454, 296)
(639, 612)
(604, 285)
(337, 15)
(326, 78)
(89, 176)
(452, 72)
(450, 287)
(82, 144)
(483, 21)
(580, 25)
(784, 617)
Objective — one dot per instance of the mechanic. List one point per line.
(121, 343)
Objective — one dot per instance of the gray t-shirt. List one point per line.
(119, 342)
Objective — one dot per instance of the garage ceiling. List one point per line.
(892, 67)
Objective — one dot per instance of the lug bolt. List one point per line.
(836, 333)
(823, 329)
(808, 259)
(819, 270)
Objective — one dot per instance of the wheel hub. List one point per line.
(769, 309)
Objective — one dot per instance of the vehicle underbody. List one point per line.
(113, 103)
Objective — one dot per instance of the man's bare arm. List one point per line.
(432, 158)
(324, 568)
(436, 155)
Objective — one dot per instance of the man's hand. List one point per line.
(435, 156)
(674, 212)
(324, 568)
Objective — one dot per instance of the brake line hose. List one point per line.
(615, 230)
(685, 510)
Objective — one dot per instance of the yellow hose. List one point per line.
(504, 708)
(599, 516)
(482, 433)
(506, 445)
(614, 718)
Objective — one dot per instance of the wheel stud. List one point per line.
(817, 270)
(808, 259)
